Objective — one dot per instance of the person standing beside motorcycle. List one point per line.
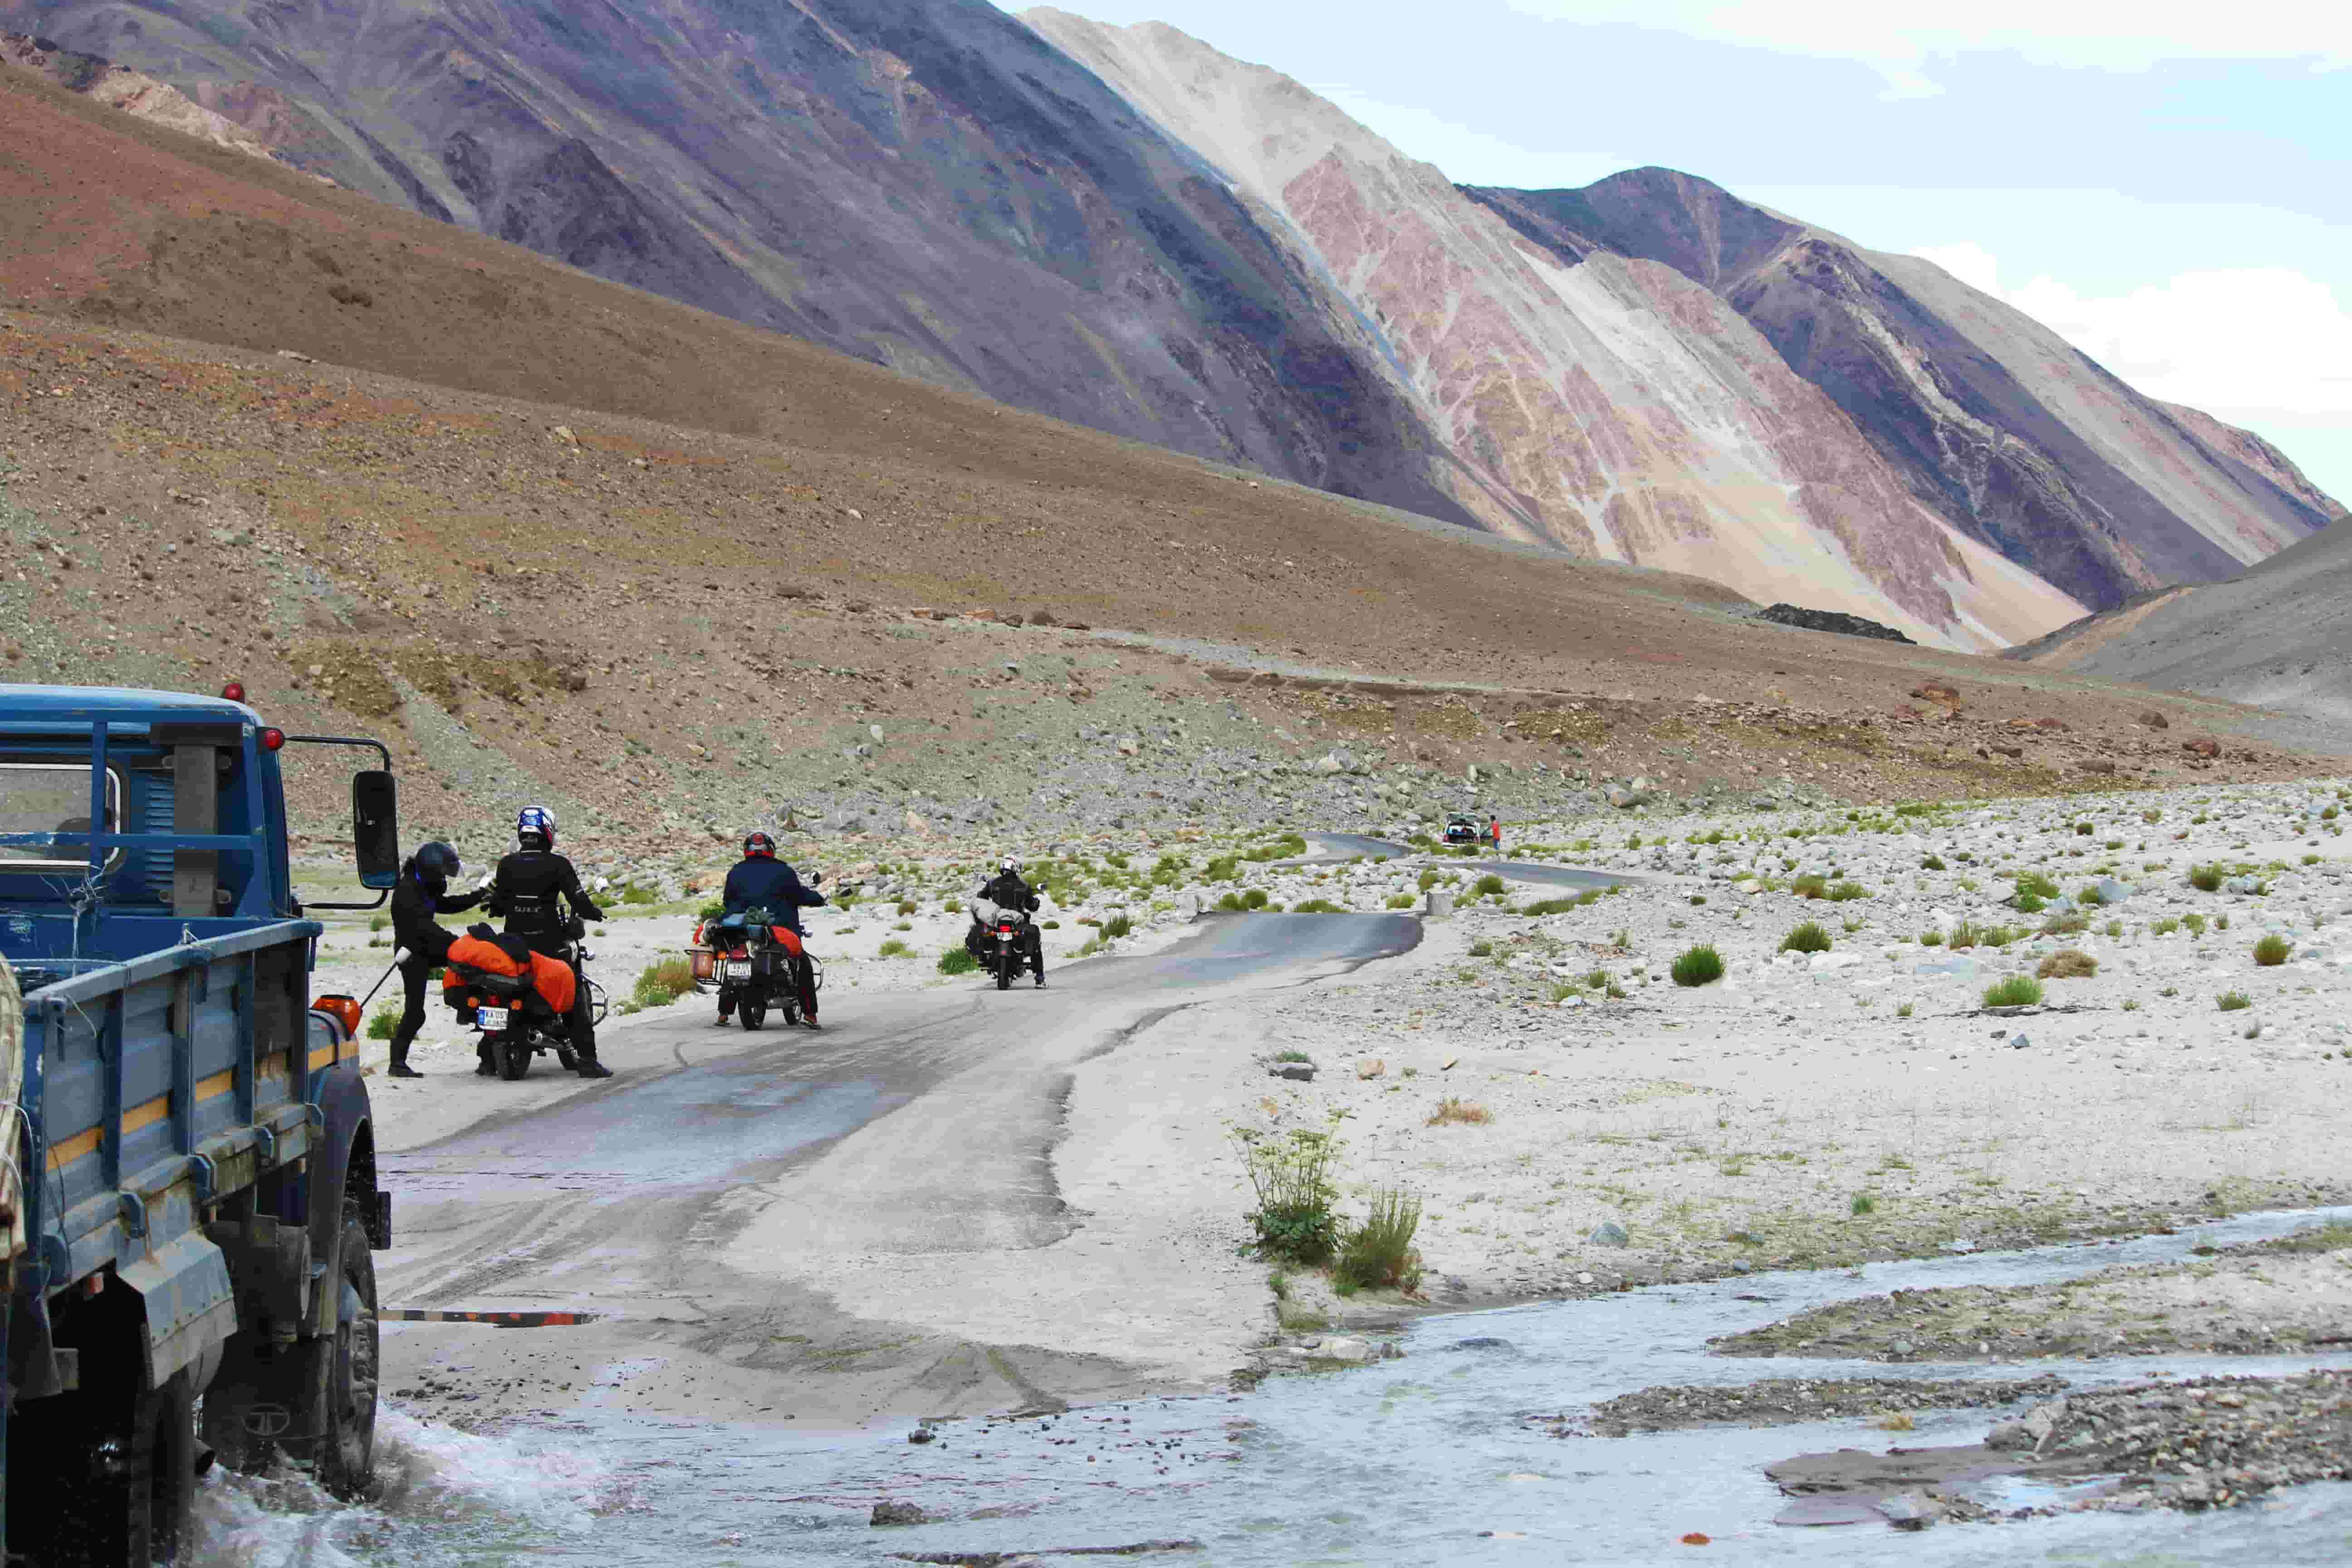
(761, 882)
(1007, 891)
(421, 897)
(528, 890)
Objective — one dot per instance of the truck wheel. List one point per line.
(753, 1013)
(514, 1059)
(340, 1373)
(115, 1478)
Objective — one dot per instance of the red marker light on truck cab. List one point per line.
(271, 740)
(234, 692)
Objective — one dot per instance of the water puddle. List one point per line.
(1439, 1457)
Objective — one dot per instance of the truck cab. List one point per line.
(195, 1194)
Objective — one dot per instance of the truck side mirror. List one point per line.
(375, 829)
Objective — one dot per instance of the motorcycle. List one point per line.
(515, 1022)
(752, 968)
(1007, 943)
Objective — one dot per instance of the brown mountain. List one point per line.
(1123, 228)
(1993, 420)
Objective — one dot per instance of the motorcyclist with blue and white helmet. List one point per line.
(528, 890)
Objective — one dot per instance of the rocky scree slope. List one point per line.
(1996, 423)
(2277, 636)
(921, 182)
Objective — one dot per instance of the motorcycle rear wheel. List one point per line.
(753, 1013)
(1004, 966)
(514, 1059)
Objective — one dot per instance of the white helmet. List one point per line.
(1010, 865)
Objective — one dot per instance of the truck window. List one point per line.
(53, 797)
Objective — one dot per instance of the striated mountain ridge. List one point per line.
(133, 92)
(1603, 402)
(1995, 421)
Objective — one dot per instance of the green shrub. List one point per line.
(2035, 884)
(2074, 922)
(2017, 991)
(1223, 869)
(1811, 885)
(1966, 934)
(377, 923)
(1931, 939)
(1380, 1253)
(709, 911)
(1549, 907)
(958, 960)
(1400, 901)
(2273, 950)
(383, 1026)
(2235, 1000)
(1700, 965)
(2082, 829)
(906, 906)
(2195, 922)
(2205, 878)
(2165, 926)
(636, 895)
(1232, 904)
(1317, 907)
(1482, 948)
(1846, 892)
(1932, 863)
(1489, 886)
(1807, 938)
(2067, 964)
(1254, 899)
(894, 948)
(661, 984)
(1291, 1176)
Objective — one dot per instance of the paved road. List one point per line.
(1349, 845)
(916, 1123)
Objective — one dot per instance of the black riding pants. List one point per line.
(415, 978)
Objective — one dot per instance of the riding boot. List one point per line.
(589, 1067)
(400, 1067)
(486, 1067)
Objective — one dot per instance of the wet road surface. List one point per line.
(1349, 845)
(915, 1123)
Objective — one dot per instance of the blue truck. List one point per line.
(189, 1192)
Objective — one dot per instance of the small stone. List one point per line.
(922, 1434)
(892, 1511)
(1371, 1067)
(1609, 1233)
(1900, 1348)
(1296, 1072)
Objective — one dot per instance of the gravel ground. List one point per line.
(2273, 1299)
(1784, 1401)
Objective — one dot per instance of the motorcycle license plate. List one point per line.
(491, 1019)
(737, 972)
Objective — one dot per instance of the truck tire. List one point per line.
(114, 1479)
(338, 1374)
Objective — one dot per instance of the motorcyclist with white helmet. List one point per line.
(1007, 891)
(529, 889)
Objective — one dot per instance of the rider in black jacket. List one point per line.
(761, 882)
(1007, 891)
(529, 889)
(421, 897)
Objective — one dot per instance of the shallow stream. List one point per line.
(1444, 1456)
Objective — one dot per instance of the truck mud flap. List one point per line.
(191, 1305)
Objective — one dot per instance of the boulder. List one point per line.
(1836, 621)
(890, 1511)
(2155, 720)
(1609, 1233)
(1437, 902)
(2201, 747)
(1348, 1348)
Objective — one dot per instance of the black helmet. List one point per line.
(759, 846)
(436, 861)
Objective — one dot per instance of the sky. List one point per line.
(2168, 186)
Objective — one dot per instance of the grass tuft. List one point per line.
(2273, 950)
(1453, 1112)
(2235, 1000)
(2068, 963)
(958, 960)
(1700, 965)
(1378, 1254)
(1807, 938)
(659, 984)
(2017, 991)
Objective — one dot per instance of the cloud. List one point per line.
(1900, 41)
